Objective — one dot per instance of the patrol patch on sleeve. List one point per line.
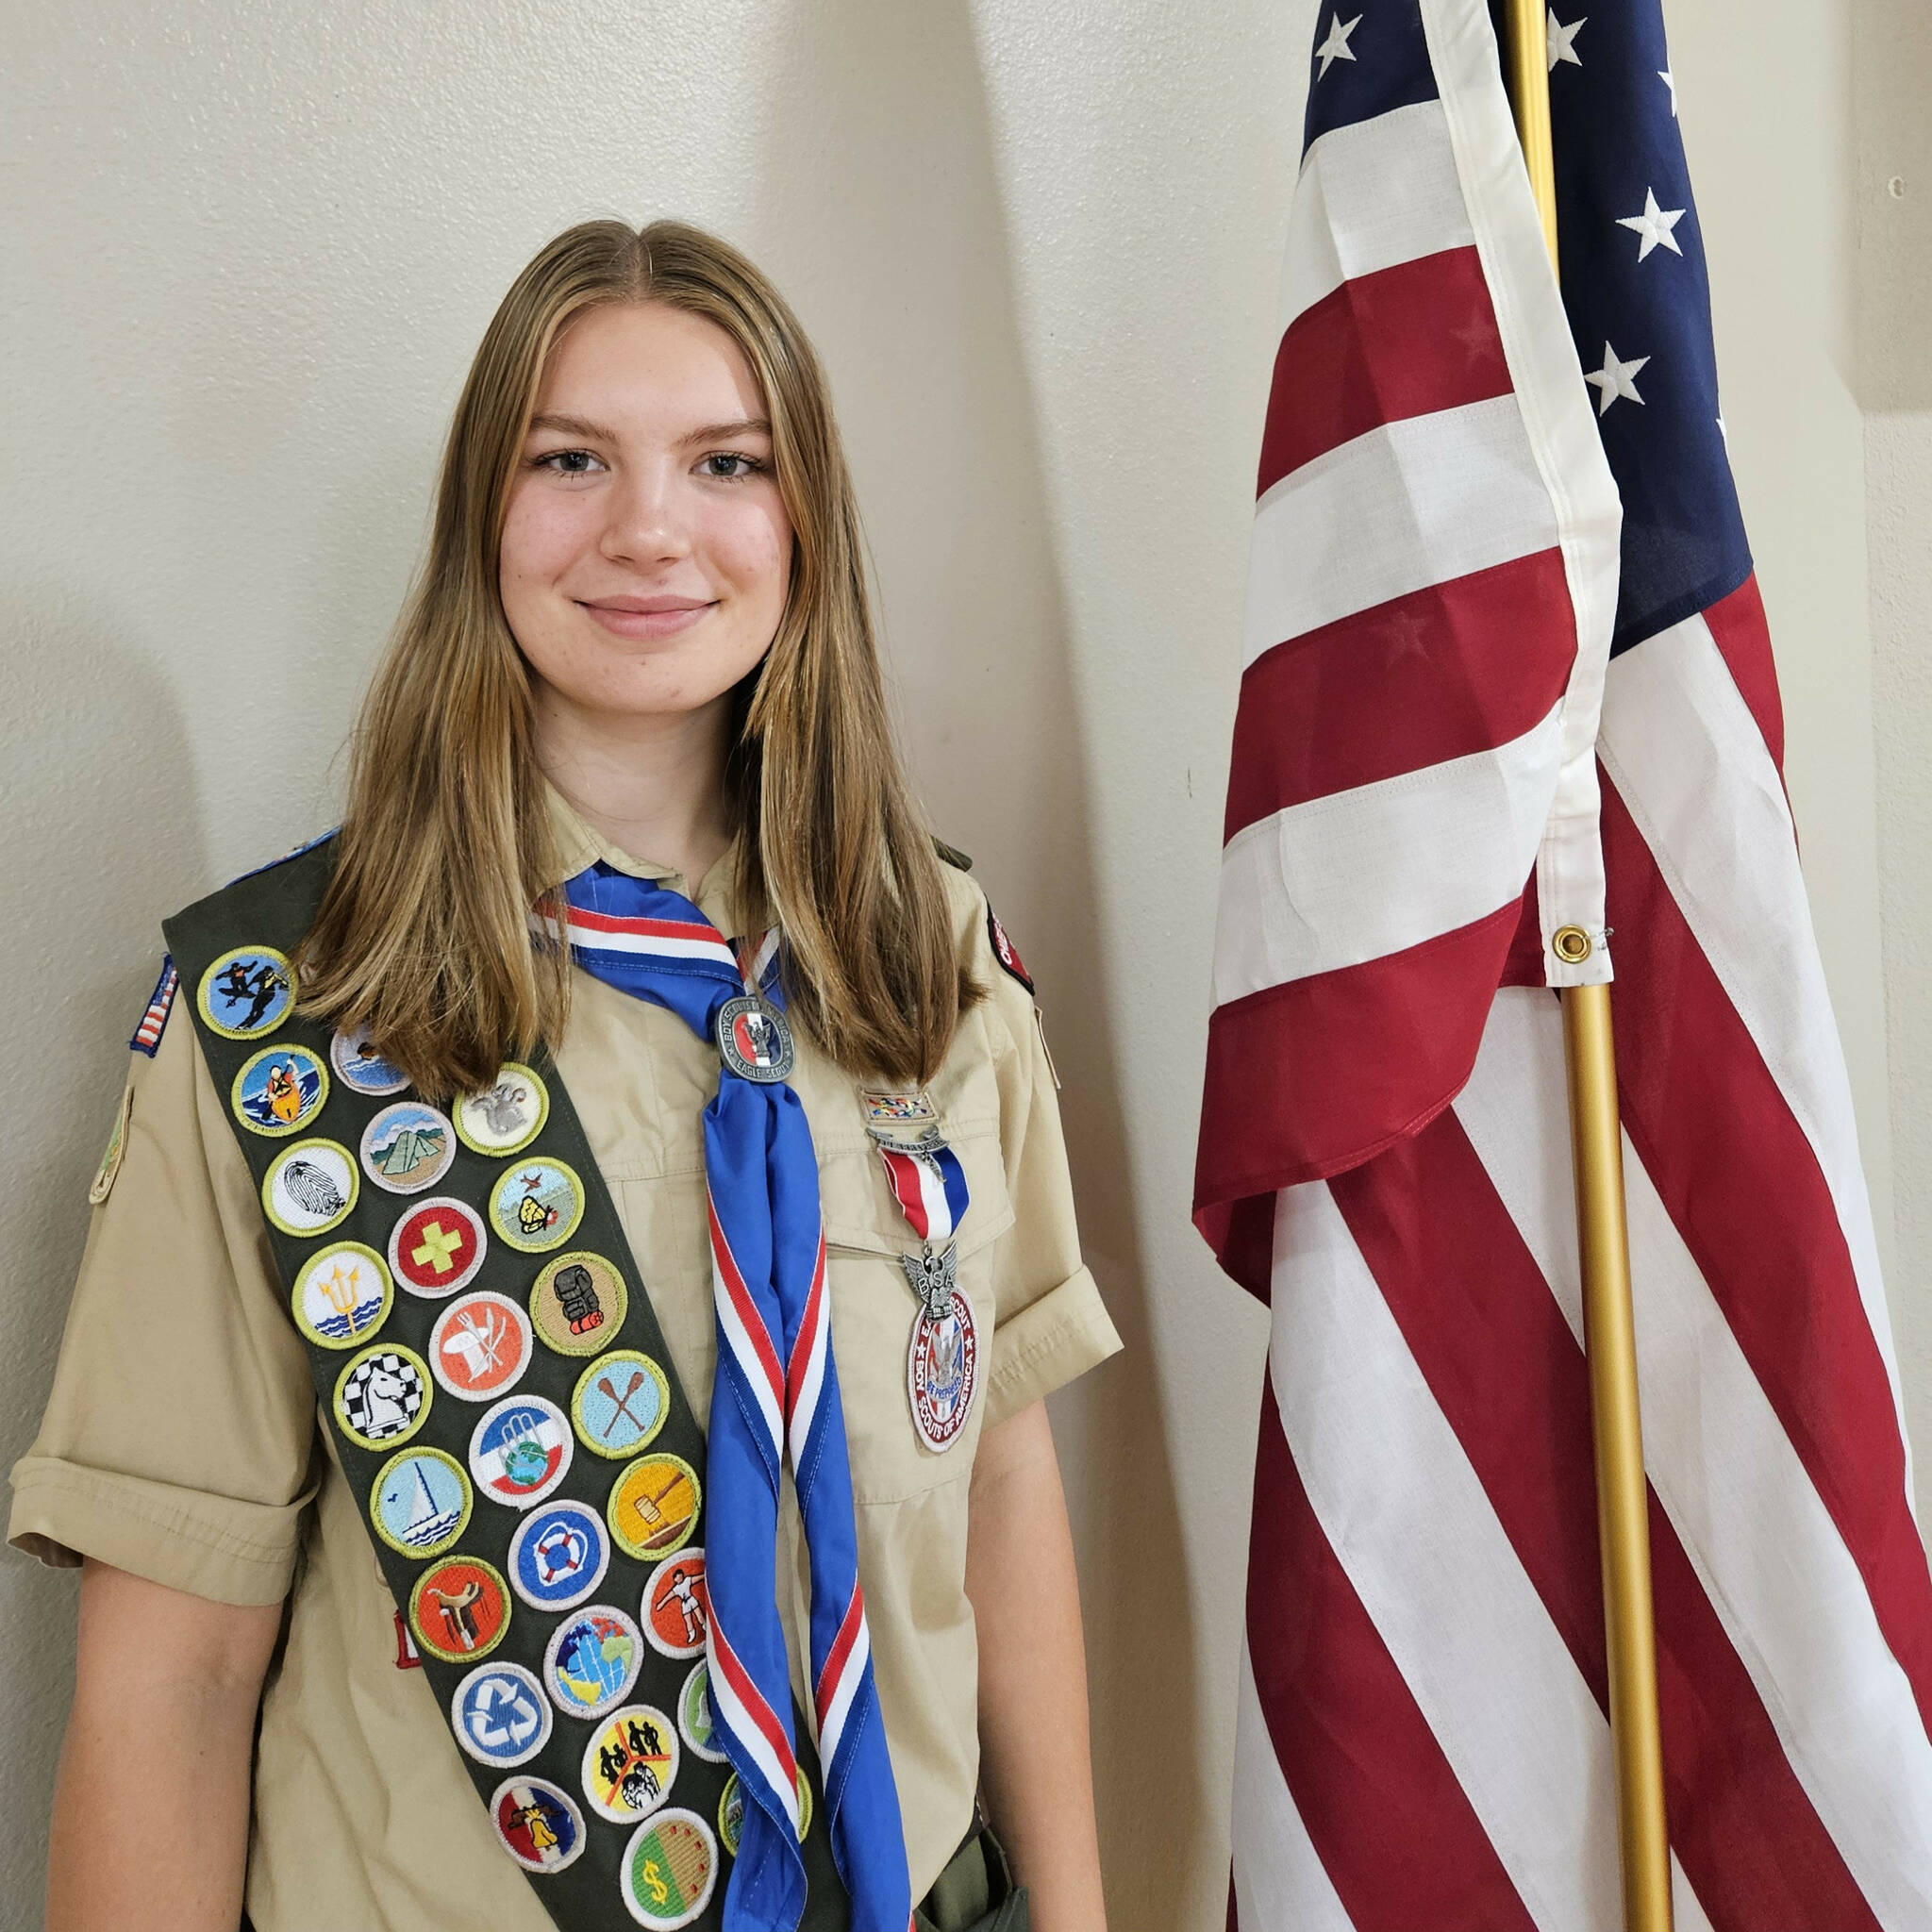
(1005, 951)
(161, 1003)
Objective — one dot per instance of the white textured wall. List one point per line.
(250, 247)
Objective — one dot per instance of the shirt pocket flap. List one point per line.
(862, 1213)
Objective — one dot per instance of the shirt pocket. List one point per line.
(874, 1305)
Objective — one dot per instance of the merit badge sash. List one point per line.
(942, 1357)
(501, 1401)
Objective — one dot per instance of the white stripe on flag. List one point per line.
(1279, 1882)
(1435, 1571)
(1769, 1557)
(1445, 846)
(1372, 195)
(1687, 758)
(1399, 508)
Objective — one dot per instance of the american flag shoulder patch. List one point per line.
(147, 1036)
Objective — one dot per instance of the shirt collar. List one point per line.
(579, 845)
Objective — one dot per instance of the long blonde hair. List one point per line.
(446, 847)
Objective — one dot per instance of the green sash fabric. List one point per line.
(274, 909)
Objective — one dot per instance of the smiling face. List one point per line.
(646, 551)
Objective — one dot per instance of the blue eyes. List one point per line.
(722, 466)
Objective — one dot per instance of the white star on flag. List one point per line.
(1669, 79)
(1654, 225)
(1563, 40)
(1336, 46)
(1613, 380)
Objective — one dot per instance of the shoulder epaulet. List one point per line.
(952, 855)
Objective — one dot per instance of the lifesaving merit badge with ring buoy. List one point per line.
(755, 1040)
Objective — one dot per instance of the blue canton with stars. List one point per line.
(1633, 278)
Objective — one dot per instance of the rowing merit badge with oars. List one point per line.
(942, 1357)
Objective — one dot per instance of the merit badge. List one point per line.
(111, 1153)
(653, 1506)
(419, 1502)
(362, 1067)
(697, 1724)
(520, 1450)
(500, 1715)
(669, 1870)
(629, 1763)
(675, 1609)
(620, 1402)
(247, 993)
(382, 1396)
(540, 1826)
(941, 1367)
(407, 1147)
(731, 1803)
(342, 1294)
(505, 1118)
(460, 1608)
(592, 1661)
(280, 1090)
(755, 1038)
(1005, 951)
(480, 1346)
(437, 1248)
(310, 1187)
(579, 1303)
(161, 1003)
(558, 1556)
(537, 1205)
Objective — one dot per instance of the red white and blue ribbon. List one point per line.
(931, 1186)
(775, 1394)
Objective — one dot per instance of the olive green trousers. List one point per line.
(976, 1892)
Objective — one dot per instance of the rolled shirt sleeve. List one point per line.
(180, 1439)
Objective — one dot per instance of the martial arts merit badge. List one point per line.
(943, 1360)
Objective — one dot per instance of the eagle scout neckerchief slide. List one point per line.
(776, 1395)
(533, 1477)
(943, 1360)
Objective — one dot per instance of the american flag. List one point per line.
(1463, 672)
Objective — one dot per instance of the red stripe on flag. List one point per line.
(747, 1309)
(1307, 1079)
(1456, 668)
(1504, 1367)
(1395, 1833)
(841, 1649)
(1400, 341)
(1743, 640)
(1744, 1189)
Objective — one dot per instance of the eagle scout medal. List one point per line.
(246, 992)
(592, 1661)
(505, 1117)
(280, 1090)
(342, 1295)
(539, 1823)
(437, 1248)
(630, 1762)
(383, 1396)
(520, 1450)
(696, 1722)
(669, 1867)
(558, 1556)
(620, 1402)
(480, 1346)
(460, 1608)
(407, 1147)
(309, 1188)
(578, 1304)
(942, 1370)
(653, 1506)
(675, 1610)
(536, 1205)
(419, 1502)
(362, 1068)
(500, 1715)
(755, 1038)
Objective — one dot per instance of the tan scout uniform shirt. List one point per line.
(182, 1441)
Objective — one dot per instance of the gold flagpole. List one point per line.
(1596, 1151)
